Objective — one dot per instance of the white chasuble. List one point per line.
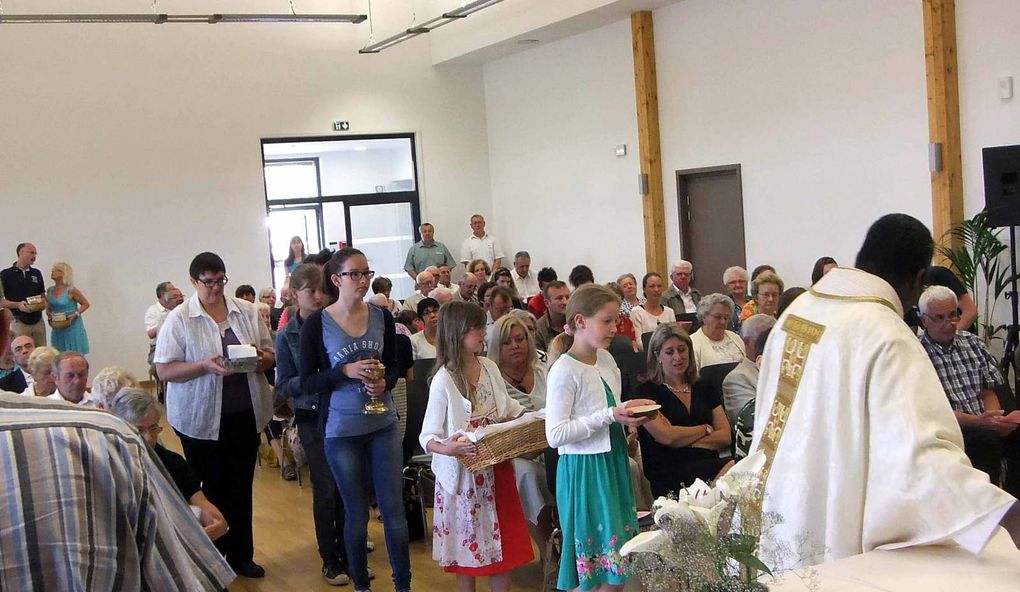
(863, 449)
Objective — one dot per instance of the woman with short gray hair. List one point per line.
(628, 285)
(713, 343)
(140, 409)
(735, 280)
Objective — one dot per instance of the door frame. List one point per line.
(683, 201)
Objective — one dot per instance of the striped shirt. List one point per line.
(965, 368)
(86, 505)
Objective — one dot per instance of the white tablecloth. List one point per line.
(928, 569)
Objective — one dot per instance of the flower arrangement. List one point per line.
(707, 537)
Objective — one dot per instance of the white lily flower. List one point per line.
(708, 517)
(676, 510)
(743, 477)
(645, 542)
(699, 494)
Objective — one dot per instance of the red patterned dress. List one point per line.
(480, 529)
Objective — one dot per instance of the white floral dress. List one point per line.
(466, 530)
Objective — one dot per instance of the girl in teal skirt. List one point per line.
(593, 488)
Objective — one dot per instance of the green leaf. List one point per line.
(751, 562)
(738, 543)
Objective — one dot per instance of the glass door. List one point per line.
(385, 232)
(285, 223)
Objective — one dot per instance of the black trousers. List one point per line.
(327, 505)
(226, 468)
(987, 450)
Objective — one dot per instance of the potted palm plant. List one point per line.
(980, 269)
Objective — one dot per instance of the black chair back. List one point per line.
(552, 459)
(715, 374)
(630, 363)
(417, 401)
(1006, 398)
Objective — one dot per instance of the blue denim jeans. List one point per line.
(357, 462)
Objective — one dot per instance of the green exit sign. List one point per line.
(341, 126)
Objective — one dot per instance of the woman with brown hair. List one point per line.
(349, 358)
(327, 506)
(683, 442)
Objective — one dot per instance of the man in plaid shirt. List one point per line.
(969, 375)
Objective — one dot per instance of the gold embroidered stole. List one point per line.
(801, 334)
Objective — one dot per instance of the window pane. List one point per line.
(334, 220)
(384, 233)
(352, 166)
(291, 180)
(284, 224)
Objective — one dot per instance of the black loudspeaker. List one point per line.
(1002, 185)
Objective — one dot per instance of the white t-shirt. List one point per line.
(709, 353)
(420, 347)
(646, 322)
(154, 317)
(487, 248)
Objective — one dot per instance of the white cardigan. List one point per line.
(577, 418)
(449, 411)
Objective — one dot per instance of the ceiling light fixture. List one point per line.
(432, 24)
(159, 19)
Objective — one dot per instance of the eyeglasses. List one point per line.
(719, 317)
(939, 319)
(357, 274)
(213, 283)
(155, 429)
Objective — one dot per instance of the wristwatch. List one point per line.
(708, 430)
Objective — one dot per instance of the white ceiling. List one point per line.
(494, 33)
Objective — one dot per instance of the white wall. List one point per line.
(988, 47)
(127, 149)
(554, 115)
(821, 102)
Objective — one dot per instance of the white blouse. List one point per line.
(421, 349)
(709, 353)
(189, 335)
(646, 322)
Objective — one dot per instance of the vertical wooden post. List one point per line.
(943, 116)
(646, 90)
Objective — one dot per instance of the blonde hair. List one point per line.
(586, 301)
(662, 334)
(766, 278)
(456, 319)
(41, 357)
(68, 273)
(109, 381)
(500, 334)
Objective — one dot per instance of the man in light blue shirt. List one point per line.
(426, 253)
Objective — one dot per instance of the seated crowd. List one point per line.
(497, 343)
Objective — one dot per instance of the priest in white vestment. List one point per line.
(863, 451)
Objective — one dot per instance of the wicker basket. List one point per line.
(500, 446)
(36, 303)
(59, 320)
